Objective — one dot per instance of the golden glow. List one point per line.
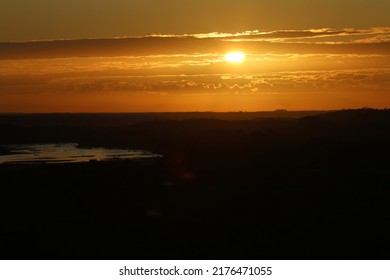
(235, 57)
(199, 75)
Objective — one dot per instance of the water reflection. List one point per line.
(66, 153)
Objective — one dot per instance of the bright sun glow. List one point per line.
(236, 57)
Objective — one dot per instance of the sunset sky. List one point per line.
(152, 55)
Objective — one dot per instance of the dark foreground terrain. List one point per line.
(279, 185)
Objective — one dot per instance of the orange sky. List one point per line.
(294, 70)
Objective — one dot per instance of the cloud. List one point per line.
(291, 82)
(339, 35)
(383, 38)
(282, 41)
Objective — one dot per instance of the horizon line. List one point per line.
(191, 112)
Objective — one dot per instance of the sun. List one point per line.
(235, 57)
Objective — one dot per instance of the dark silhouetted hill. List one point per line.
(260, 186)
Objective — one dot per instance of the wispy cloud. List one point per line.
(342, 35)
(290, 82)
(373, 40)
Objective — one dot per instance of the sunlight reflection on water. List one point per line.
(66, 153)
